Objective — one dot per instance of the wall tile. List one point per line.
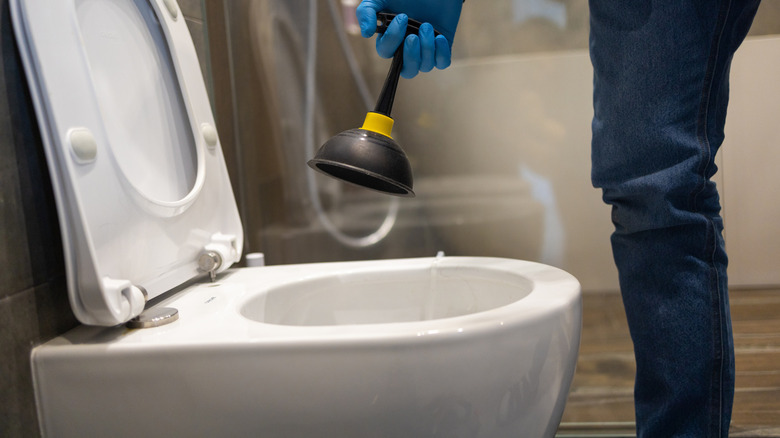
(17, 333)
(33, 295)
(15, 274)
(27, 318)
(13, 240)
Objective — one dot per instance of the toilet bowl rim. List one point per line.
(554, 294)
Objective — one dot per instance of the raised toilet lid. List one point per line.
(139, 178)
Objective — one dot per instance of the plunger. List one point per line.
(368, 156)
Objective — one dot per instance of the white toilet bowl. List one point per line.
(444, 346)
(473, 347)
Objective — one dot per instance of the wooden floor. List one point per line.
(600, 402)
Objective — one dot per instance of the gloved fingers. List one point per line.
(388, 43)
(443, 52)
(411, 65)
(427, 48)
(366, 15)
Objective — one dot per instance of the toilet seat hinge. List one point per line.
(122, 299)
(218, 255)
(210, 261)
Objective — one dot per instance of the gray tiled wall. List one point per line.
(33, 296)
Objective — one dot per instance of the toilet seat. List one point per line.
(140, 182)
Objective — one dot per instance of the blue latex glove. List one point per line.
(421, 53)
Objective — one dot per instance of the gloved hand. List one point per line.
(423, 52)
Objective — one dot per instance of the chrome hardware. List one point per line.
(210, 261)
(154, 317)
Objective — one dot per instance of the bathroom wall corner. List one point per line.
(33, 294)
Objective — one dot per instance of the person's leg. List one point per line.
(660, 96)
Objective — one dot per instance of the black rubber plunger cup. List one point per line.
(368, 156)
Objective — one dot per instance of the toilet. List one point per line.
(177, 342)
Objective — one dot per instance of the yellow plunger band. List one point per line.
(379, 123)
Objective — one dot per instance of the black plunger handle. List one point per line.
(385, 102)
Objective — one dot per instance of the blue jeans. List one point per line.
(660, 96)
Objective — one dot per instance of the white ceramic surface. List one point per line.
(448, 346)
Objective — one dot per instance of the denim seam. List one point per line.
(703, 134)
(717, 321)
(706, 99)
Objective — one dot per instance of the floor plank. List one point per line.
(601, 394)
